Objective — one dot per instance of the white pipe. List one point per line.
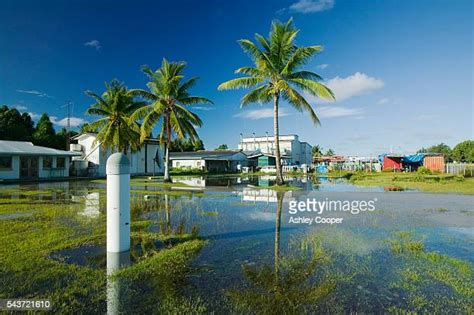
(118, 203)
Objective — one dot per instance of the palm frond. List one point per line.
(314, 88)
(238, 83)
(300, 57)
(259, 95)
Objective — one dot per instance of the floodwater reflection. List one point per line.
(117, 288)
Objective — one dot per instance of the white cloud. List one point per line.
(203, 108)
(353, 85)
(323, 66)
(34, 92)
(256, 114)
(34, 116)
(93, 43)
(20, 107)
(311, 6)
(383, 101)
(333, 111)
(74, 121)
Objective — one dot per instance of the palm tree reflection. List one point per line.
(291, 286)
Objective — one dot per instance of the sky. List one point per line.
(402, 71)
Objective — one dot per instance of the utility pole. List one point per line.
(68, 128)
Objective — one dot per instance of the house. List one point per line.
(392, 161)
(24, 160)
(293, 151)
(93, 158)
(210, 161)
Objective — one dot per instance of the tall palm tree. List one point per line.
(169, 97)
(277, 74)
(115, 129)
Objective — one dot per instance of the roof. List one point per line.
(93, 134)
(27, 148)
(204, 155)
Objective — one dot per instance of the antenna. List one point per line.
(68, 128)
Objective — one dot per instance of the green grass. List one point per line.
(27, 271)
(443, 183)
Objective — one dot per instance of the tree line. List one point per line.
(18, 126)
(461, 152)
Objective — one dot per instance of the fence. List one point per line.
(460, 168)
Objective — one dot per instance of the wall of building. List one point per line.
(14, 172)
(54, 171)
(434, 163)
(141, 162)
(299, 152)
(188, 163)
(392, 163)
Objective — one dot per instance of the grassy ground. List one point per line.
(429, 183)
(28, 271)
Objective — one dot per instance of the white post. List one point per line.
(118, 203)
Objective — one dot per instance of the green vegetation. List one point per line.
(18, 126)
(462, 152)
(116, 130)
(169, 97)
(432, 282)
(277, 75)
(404, 243)
(437, 183)
(186, 145)
(222, 147)
(29, 244)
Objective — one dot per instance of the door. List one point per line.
(28, 167)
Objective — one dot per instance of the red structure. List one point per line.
(393, 162)
(434, 163)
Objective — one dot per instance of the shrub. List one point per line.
(423, 171)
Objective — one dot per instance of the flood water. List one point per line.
(265, 253)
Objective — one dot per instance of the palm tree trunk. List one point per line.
(280, 197)
(167, 177)
(276, 132)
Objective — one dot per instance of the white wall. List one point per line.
(47, 173)
(188, 163)
(14, 172)
(98, 157)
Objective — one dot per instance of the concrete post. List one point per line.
(118, 203)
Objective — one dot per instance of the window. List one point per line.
(198, 163)
(177, 164)
(5, 163)
(47, 163)
(60, 162)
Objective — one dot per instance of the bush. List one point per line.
(423, 171)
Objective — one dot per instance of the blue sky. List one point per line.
(402, 71)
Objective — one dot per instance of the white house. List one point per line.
(211, 161)
(93, 158)
(23, 160)
(291, 148)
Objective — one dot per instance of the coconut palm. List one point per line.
(115, 129)
(277, 74)
(169, 98)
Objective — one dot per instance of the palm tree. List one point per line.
(277, 73)
(115, 129)
(169, 97)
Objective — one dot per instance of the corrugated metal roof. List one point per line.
(27, 148)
